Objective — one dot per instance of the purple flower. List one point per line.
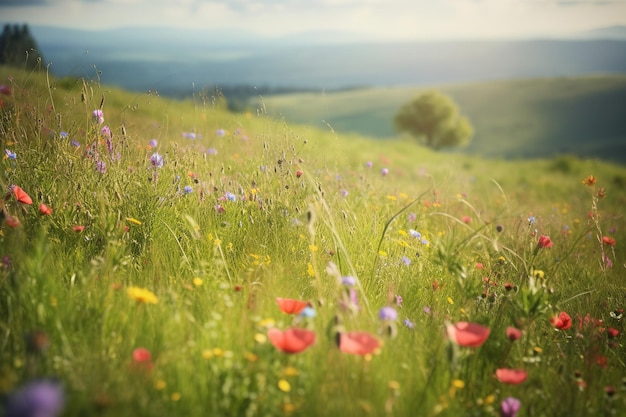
(189, 135)
(220, 132)
(98, 116)
(344, 192)
(187, 189)
(509, 407)
(408, 323)
(388, 313)
(412, 217)
(153, 143)
(156, 160)
(11, 155)
(415, 234)
(369, 164)
(231, 197)
(106, 132)
(101, 166)
(63, 134)
(43, 398)
(406, 261)
(384, 172)
(211, 151)
(399, 300)
(427, 310)
(75, 144)
(348, 281)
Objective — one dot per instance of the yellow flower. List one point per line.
(290, 371)
(538, 273)
(284, 385)
(458, 383)
(310, 270)
(133, 220)
(260, 338)
(175, 396)
(142, 295)
(250, 357)
(197, 281)
(207, 354)
(159, 385)
(450, 300)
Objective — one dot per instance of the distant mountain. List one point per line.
(612, 32)
(175, 61)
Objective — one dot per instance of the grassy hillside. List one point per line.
(177, 259)
(513, 119)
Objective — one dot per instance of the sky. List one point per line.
(370, 19)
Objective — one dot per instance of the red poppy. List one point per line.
(21, 195)
(292, 340)
(608, 240)
(562, 322)
(544, 242)
(511, 376)
(78, 228)
(142, 359)
(468, 334)
(513, 333)
(612, 332)
(44, 210)
(289, 306)
(358, 343)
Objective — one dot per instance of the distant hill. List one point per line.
(531, 118)
(176, 62)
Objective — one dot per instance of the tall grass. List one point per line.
(253, 209)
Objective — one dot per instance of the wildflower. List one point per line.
(10, 155)
(406, 261)
(63, 134)
(75, 144)
(415, 234)
(308, 312)
(153, 143)
(41, 398)
(298, 173)
(612, 332)
(290, 306)
(384, 172)
(156, 160)
(509, 407)
(466, 219)
(608, 240)
(590, 180)
(5, 89)
(211, 151)
(230, 196)
(409, 324)
(544, 242)
(78, 228)
(348, 281)
(358, 343)
(106, 133)
(142, 359)
(399, 300)
(12, 221)
(220, 132)
(509, 286)
(44, 210)
(284, 385)
(37, 341)
(188, 189)
(369, 164)
(344, 192)
(511, 376)
(531, 220)
(467, 334)
(142, 295)
(101, 167)
(562, 322)
(292, 340)
(388, 313)
(98, 116)
(513, 333)
(479, 265)
(197, 282)
(21, 195)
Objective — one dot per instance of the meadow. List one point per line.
(513, 118)
(165, 257)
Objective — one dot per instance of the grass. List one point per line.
(254, 209)
(532, 118)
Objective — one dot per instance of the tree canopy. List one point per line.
(18, 47)
(434, 120)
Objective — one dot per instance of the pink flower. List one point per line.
(513, 333)
(358, 343)
(142, 359)
(468, 334)
(511, 376)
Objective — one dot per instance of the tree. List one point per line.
(18, 47)
(434, 120)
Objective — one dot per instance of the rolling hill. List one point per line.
(528, 118)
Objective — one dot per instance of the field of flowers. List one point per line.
(165, 258)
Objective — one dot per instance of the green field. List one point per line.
(145, 273)
(513, 119)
